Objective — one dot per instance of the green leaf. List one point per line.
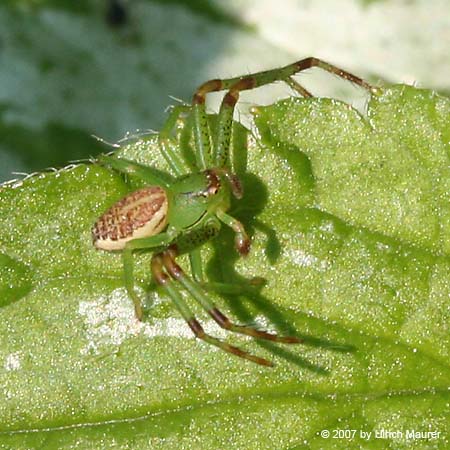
(389, 173)
(368, 292)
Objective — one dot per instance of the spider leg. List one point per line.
(176, 272)
(297, 87)
(250, 286)
(202, 137)
(173, 159)
(148, 174)
(195, 260)
(238, 84)
(127, 259)
(242, 241)
(173, 292)
(224, 288)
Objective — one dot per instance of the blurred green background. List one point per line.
(73, 69)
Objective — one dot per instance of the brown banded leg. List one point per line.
(257, 79)
(234, 86)
(173, 292)
(200, 333)
(297, 87)
(175, 271)
(233, 180)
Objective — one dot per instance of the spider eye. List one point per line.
(213, 183)
(213, 190)
(209, 191)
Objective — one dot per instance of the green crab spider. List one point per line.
(178, 217)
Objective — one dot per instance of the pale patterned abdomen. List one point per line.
(142, 213)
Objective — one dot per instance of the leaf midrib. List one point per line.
(269, 396)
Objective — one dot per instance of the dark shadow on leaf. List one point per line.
(254, 200)
(15, 280)
(220, 269)
(273, 247)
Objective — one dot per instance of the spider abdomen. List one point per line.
(142, 213)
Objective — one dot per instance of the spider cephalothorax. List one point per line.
(179, 216)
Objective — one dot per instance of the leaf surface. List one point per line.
(368, 290)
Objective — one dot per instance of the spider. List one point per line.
(178, 217)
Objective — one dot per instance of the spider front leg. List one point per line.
(219, 155)
(176, 272)
(172, 290)
(242, 241)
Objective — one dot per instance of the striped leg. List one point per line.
(235, 85)
(176, 163)
(172, 290)
(175, 271)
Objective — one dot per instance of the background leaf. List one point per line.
(369, 296)
(70, 70)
